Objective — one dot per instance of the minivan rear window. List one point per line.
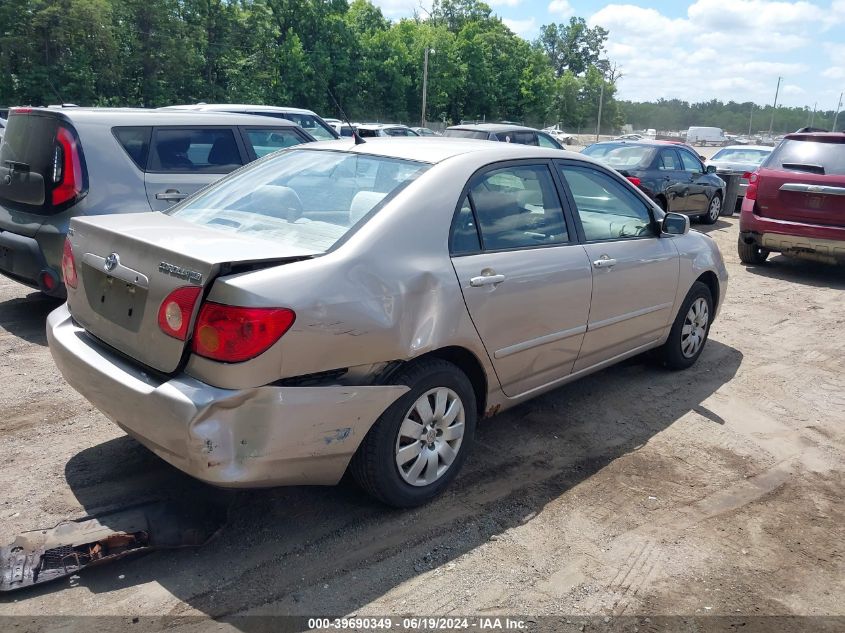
(808, 156)
(26, 162)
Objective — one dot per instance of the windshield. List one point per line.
(619, 155)
(479, 134)
(305, 198)
(742, 155)
(799, 155)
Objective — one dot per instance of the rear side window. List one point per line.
(518, 207)
(808, 156)
(136, 142)
(523, 138)
(668, 161)
(479, 134)
(195, 150)
(267, 141)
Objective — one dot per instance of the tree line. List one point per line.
(296, 52)
(739, 118)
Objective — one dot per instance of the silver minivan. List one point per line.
(59, 163)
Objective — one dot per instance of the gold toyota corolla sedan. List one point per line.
(361, 306)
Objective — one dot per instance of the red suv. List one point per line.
(795, 203)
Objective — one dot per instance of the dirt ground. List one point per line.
(635, 491)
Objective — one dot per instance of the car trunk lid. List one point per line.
(804, 181)
(128, 264)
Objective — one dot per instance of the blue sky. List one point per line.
(723, 49)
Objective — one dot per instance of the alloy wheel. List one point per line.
(715, 208)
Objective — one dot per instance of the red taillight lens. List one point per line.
(634, 180)
(67, 168)
(69, 266)
(753, 181)
(174, 314)
(233, 334)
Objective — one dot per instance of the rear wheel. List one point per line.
(713, 210)
(690, 330)
(419, 444)
(751, 253)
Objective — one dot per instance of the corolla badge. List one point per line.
(111, 262)
(180, 272)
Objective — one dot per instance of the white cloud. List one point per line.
(397, 8)
(726, 49)
(834, 72)
(504, 3)
(561, 8)
(525, 27)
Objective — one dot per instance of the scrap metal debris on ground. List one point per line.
(41, 556)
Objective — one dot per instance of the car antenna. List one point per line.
(358, 139)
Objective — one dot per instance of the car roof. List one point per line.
(238, 107)
(824, 137)
(435, 149)
(644, 141)
(381, 126)
(768, 148)
(492, 127)
(142, 116)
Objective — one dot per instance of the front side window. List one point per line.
(608, 211)
(691, 163)
(267, 141)
(195, 150)
(308, 122)
(307, 199)
(518, 207)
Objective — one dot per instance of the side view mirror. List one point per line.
(675, 224)
(711, 169)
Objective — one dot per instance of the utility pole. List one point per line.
(813, 118)
(774, 107)
(601, 101)
(836, 116)
(425, 85)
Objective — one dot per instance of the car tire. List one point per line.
(714, 210)
(376, 464)
(751, 253)
(690, 330)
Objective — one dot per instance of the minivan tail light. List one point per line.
(174, 313)
(69, 266)
(67, 168)
(232, 334)
(753, 182)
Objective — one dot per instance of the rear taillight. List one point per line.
(753, 180)
(67, 168)
(634, 180)
(69, 266)
(174, 314)
(233, 334)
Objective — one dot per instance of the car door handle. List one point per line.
(604, 262)
(171, 196)
(486, 280)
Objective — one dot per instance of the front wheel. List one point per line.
(690, 330)
(416, 448)
(713, 210)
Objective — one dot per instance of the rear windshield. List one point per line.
(305, 198)
(810, 156)
(308, 122)
(742, 155)
(619, 155)
(26, 161)
(479, 134)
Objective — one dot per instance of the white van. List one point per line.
(706, 136)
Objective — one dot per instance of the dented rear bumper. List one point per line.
(263, 436)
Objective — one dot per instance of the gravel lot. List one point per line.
(635, 491)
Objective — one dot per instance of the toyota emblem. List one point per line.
(111, 261)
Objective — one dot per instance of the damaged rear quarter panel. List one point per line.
(389, 293)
